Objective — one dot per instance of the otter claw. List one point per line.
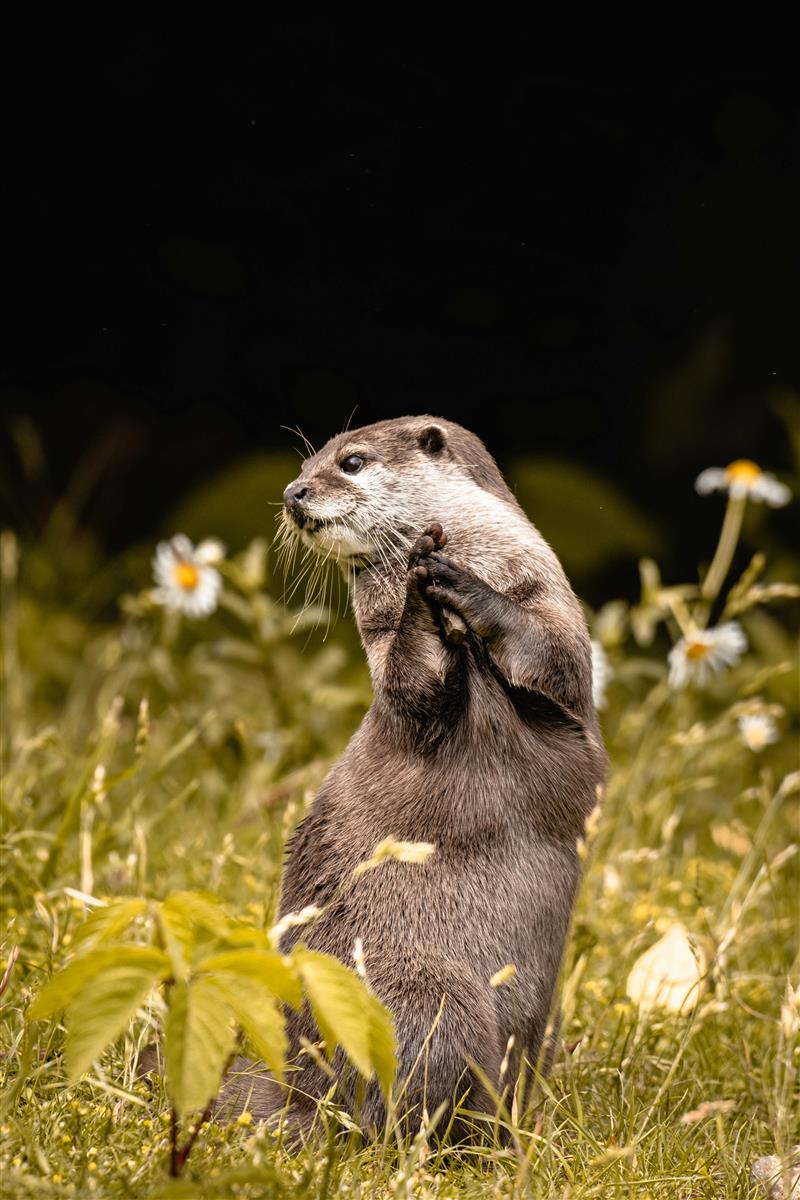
(431, 541)
(438, 535)
(433, 538)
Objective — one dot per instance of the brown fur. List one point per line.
(489, 749)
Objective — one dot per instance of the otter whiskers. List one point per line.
(387, 559)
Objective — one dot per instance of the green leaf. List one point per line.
(383, 1045)
(201, 910)
(106, 924)
(247, 936)
(176, 934)
(184, 918)
(101, 1012)
(274, 971)
(258, 1014)
(199, 1038)
(83, 970)
(349, 1014)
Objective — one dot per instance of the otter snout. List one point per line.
(294, 494)
(295, 501)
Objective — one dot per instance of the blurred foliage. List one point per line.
(146, 754)
(239, 503)
(586, 517)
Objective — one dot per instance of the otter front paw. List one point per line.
(434, 539)
(443, 582)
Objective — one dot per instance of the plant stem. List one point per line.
(174, 1169)
(683, 618)
(179, 1155)
(726, 547)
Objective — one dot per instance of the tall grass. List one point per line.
(147, 754)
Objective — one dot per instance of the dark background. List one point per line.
(213, 243)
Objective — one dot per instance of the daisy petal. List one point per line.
(700, 655)
(210, 550)
(757, 731)
(186, 581)
(181, 545)
(713, 479)
(601, 674)
(771, 491)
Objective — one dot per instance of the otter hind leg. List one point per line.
(448, 1046)
(247, 1087)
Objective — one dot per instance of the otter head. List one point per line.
(368, 492)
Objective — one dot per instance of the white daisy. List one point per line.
(695, 658)
(601, 674)
(187, 580)
(741, 479)
(757, 730)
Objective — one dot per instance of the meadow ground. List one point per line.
(150, 753)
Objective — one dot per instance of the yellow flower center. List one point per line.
(695, 650)
(743, 471)
(186, 575)
(756, 737)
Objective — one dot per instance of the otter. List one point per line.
(482, 739)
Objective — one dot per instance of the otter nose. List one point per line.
(294, 493)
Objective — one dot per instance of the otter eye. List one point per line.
(352, 464)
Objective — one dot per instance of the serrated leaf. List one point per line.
(200, 909)
(383, 1044)
(176, 934)
(83, 970)
(199, 1038)
(274, 971)
(348, 1014)
(183, 918)
(247, 936)
(257, 1012)
(106, 924)
(102, 1010)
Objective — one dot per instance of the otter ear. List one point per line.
(432, 440)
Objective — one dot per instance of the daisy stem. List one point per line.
(726, 547)
(681, 613)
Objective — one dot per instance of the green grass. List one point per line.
(145, 755)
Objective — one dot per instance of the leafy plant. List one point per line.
(221, 981)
